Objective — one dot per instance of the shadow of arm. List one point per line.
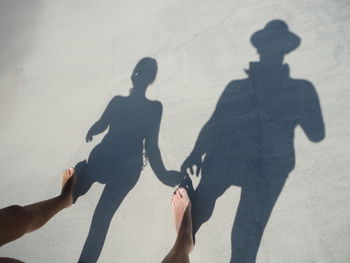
(211, 132)
(311, 118)
(102, 124)
(170, 178)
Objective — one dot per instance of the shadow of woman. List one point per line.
(249, 140)
(117, 161)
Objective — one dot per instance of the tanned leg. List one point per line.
(15, 221)
(10, 260)
(181, 206)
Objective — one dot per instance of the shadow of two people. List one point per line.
(248, 142)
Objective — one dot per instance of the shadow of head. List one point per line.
(274, 41)
(144, 73)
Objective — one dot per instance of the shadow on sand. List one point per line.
(249, 140)
(117, 161)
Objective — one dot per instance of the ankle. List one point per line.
(64, 199)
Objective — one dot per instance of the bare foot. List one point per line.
(68, 182)
(181, 206)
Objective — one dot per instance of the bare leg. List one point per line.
(15, 221)
(10, 260)
(181, 205)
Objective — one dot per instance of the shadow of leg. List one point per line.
(84, 180)
(254, 210)
(108, 204)
(204, 200)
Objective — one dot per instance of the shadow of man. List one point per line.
(117, 161)
(249, 139)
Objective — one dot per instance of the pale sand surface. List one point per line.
(62, 61)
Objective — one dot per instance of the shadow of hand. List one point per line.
(88, 137)
(192, 160)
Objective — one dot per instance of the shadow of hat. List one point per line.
(275, 37)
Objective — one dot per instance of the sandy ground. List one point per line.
(63, 61)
